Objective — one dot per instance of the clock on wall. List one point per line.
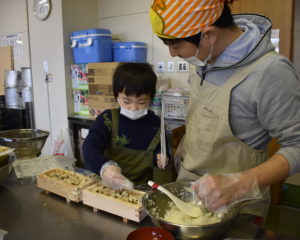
(41, 9)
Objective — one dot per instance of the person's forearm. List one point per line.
(272, 171)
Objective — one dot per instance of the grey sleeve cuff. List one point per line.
(293, 158)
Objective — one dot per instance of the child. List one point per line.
(123, 145)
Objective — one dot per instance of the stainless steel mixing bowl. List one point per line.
(6, 165)
(28, 143)
(155, 204)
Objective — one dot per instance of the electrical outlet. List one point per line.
(182, 66)
(170, 66)
(160, 67)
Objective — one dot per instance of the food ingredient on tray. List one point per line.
(125, 195)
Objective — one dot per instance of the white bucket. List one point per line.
(12, 97)
(26, 77)
(12, 79)
(26, 95)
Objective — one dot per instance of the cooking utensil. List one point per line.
(27, 143)
(186, 207)
(5, 150)
(163, 136)
(156, 204)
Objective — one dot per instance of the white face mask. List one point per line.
(133, 115)
(194, 60)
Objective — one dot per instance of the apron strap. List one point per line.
(115, 122)
(155, 141)
(244, 71)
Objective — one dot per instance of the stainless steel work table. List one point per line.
(26, 212)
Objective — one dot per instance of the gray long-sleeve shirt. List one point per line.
(267, 103)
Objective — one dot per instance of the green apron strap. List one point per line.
(155, 141)
(115, 122)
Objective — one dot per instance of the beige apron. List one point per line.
(209, 145)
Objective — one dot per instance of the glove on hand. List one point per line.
(112, 177)
(162, 160)
(218, 192)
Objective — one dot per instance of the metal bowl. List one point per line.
(6, 166)
(28, 143)
(155, 204)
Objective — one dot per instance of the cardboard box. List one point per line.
(100, 80)
(101, 89)
(98, 104)
(102, 69)
(6, 63)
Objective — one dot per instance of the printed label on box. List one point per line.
(79, 76)
(101, 89)
(98, 104)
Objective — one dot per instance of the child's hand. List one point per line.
(112, 177)
(162, 160)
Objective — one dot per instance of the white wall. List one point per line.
(13, 20)
(46, 44)
(132, 24)
(129, 21)
(49, 41)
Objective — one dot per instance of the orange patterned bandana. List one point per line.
(183, 18)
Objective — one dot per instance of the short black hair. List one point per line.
(225, 20)
(134, 79)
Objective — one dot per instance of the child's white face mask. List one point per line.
(133, 115)
(134, 107)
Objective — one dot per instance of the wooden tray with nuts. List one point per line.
(64, 183)
(124, 203)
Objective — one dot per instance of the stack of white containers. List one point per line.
(12, 84)
(26, 86)
(18, 87)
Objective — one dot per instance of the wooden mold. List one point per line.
(64, 183)
(126, 204)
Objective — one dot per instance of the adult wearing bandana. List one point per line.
(242, 94)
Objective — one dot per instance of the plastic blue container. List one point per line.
(91, 45)
(129, 52)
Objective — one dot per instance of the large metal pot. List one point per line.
(28, 143)
(155, 202)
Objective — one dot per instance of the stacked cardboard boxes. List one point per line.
(101, 95)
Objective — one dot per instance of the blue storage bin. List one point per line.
(91, 45)
(129, 52)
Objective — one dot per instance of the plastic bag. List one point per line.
(62, 144)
